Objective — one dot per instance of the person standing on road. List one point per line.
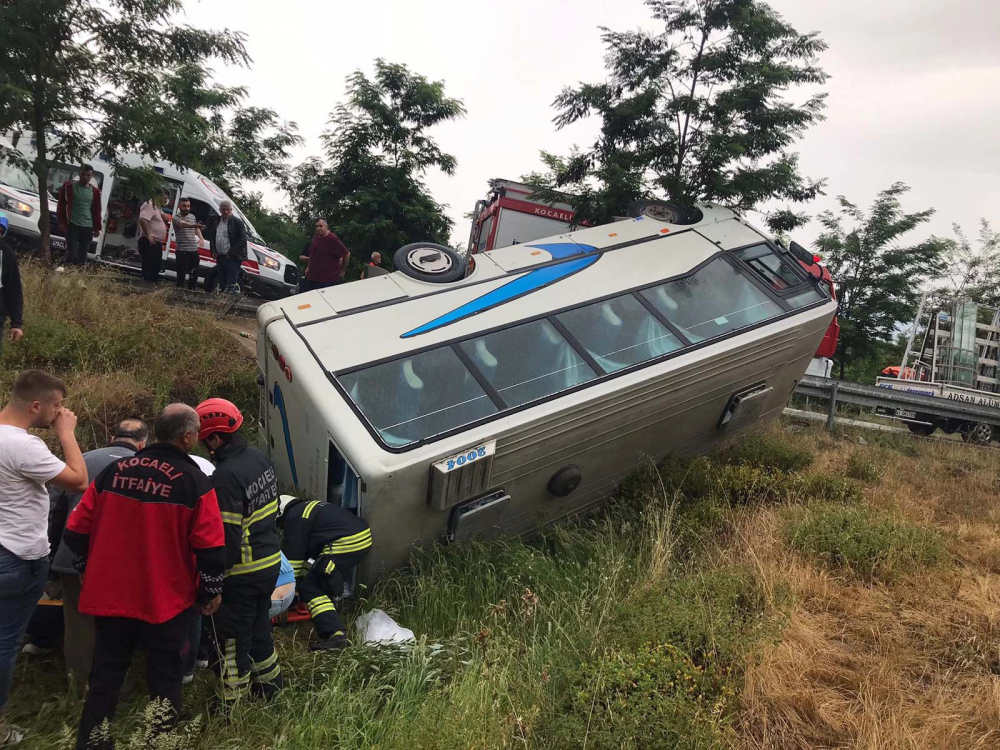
(187, 235)
(78, 212)
(26, 464)
(227, 238)
(129, 437)
(327, 259)
(11, 294)
(152, 235)
(247, 487)
(148, 537)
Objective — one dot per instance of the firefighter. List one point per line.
(247, 487)
(335, 540)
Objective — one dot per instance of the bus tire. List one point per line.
(665, 211)
(427, 261)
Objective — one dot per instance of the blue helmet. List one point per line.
(4, 224)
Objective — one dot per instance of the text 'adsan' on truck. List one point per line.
(264, 272)
(444, 405)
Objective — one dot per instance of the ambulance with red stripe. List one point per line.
(265, 272)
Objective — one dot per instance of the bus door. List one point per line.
(343, 486)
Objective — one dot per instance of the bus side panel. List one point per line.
(677, 414)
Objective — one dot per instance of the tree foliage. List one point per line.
(117, 76)
(969, 271)
(369, 188)
(696, 112)
(878, 280)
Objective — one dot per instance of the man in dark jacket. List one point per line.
(247, 487)
(11, 294)
(227, 238)
(148, 536)
(79, 214)
(78, 642)
(335, 540)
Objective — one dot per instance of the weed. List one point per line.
(866, 466)
(871, 545)
(770, 452)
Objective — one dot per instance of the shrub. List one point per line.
(770, 452)
(649, 696)
(866, 466)
(872, 546)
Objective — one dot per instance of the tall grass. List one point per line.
(123, 355)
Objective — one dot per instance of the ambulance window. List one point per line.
(202, 211)
(713, 301)
(619, 332)
(528, 362)
(418, 396)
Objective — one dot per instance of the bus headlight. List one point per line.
(14, 206)
(267, 261)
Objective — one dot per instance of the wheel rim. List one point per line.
(660, 213)
(429, 260)
(980, 434)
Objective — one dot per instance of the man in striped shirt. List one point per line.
(187, 235)
(336, 540)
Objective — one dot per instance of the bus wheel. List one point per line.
(921, 429)
(978, 433)
(669, 213)
(426, 261)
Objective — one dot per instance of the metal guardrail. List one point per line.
(836, 392)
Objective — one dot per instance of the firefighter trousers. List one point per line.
(245, 659)
(323, 584)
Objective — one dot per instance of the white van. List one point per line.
(20, 202)
(265, 272)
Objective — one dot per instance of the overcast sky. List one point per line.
(914, 93)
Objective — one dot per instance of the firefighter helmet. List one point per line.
(218, 415)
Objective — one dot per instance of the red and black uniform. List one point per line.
(336, 540)
(148, 535)
(247, 486)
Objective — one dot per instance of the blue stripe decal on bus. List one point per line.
(279, 404)
(519, 287)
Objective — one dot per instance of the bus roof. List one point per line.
(368, 321)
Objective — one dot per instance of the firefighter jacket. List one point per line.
(149, 531)
(247, 488)
(314, 530)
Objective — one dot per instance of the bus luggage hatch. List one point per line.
(461, 477)
(482, 518)
(745, 407)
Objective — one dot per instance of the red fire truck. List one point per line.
(509, 216)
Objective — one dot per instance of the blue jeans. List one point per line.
(21, 586)
(229, 273)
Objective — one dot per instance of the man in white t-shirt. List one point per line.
(26, 464)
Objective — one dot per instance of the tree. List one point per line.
(278, 228)
(370, 188)
(693, 113)
(972, 272)
(878, 281)
(115, 76)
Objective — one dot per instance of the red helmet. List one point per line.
(218, 415)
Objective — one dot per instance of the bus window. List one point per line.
(619, 332)
(418, 396)
(780, 275)
(528, 362)
(713, 301)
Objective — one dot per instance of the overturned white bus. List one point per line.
(443, 405)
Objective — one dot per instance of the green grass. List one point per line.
(861, 541)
